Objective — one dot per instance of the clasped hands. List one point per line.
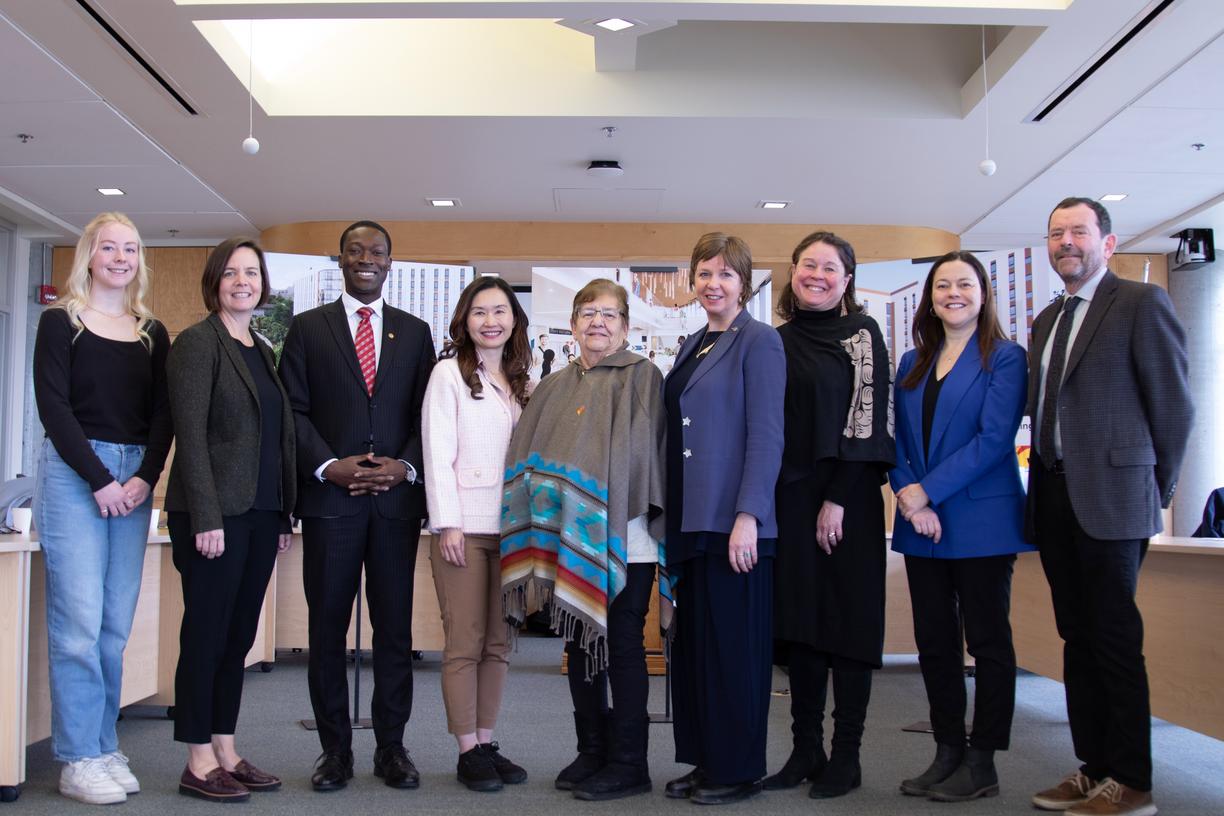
(915, 507)
(378, 475)
(120, 499)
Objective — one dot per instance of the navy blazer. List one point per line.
(732, 425)
(972, 477)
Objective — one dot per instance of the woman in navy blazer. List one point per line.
(960, 517)
(724, 398)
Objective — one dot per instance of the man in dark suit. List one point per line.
(1111, 411)
(355, 371)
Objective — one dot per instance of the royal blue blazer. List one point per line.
(732, 425)
(971, 477)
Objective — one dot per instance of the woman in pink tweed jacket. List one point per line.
(475, 396)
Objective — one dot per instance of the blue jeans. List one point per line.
(93, 580)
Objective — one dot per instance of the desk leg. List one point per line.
(14, 656)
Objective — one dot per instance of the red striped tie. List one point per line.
(365, 348)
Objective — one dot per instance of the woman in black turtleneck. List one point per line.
(829, 569)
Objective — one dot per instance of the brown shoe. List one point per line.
(254, 779)
(1075, 789)
(1112, 798)
(216, 786)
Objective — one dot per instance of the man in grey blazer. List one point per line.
(1111, 412)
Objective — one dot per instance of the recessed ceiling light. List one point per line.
(110, 191)
(1113, 197)
(773, 205)
(443, 202)
(615, 24)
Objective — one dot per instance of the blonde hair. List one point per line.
(76, 295)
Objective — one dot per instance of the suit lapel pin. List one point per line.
(390, 335)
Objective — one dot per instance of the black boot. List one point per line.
(975, 777)
(947, 759)
(592, 751)
(851, 693)
(626, 772)
(809, 686)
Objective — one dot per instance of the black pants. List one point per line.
(221, 601)
(1093, 584)
(722, 668)
(626, 671)
(974, 593)
(334, 552)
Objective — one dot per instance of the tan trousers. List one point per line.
(475, 658)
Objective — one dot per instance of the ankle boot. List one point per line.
(851, 693)
(807, 760)
(592, 751)
(626, 772)
(947, 760)
(975, 777)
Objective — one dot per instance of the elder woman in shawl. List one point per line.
(582, 520)
(829, 570)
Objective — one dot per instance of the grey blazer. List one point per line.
(1124, 409)
(215, 407)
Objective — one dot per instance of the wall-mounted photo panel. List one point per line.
(663, 311)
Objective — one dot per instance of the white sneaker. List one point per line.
(87, 780)
(117, 767)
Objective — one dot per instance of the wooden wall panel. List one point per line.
(1130, 267)
(441, 241)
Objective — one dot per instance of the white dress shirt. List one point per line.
(1086, 293)
(351, 305)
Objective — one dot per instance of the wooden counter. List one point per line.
(1181, 596)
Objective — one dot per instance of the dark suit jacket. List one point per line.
(215, 407)
(335, 418)
(971, 476)
(1124, 409)
(733, 410)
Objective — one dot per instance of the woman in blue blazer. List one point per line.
(724, 399)
(960, 517)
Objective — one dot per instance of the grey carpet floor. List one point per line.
(536, 730)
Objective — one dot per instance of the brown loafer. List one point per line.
(254, 779)
(217, 786)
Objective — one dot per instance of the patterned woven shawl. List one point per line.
(586, 457)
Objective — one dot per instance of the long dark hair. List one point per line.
(516, 354)
(788, 303)
(929, 330)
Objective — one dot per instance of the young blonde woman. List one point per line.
(475, 396)
(100, 385)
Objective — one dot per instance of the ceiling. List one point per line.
(857, 113)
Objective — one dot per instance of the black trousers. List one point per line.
(334, 552)
(974, 593)
(722, 670)
(626, 672)
(1093, 585)
(221, 601)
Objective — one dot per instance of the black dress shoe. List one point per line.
(332, 771)
(683, 787)
(710, 794)
(395, 767)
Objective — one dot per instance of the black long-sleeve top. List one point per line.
(90, 387)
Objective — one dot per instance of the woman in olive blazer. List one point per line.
(231, 488)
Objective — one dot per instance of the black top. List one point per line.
(930, 398)
(267, 492)
(824, 395)
(89, 387)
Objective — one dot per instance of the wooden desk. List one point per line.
(290, 623)
(16, 553)
(1181, 596)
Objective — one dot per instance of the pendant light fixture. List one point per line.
(987, 165)
(250, 145)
